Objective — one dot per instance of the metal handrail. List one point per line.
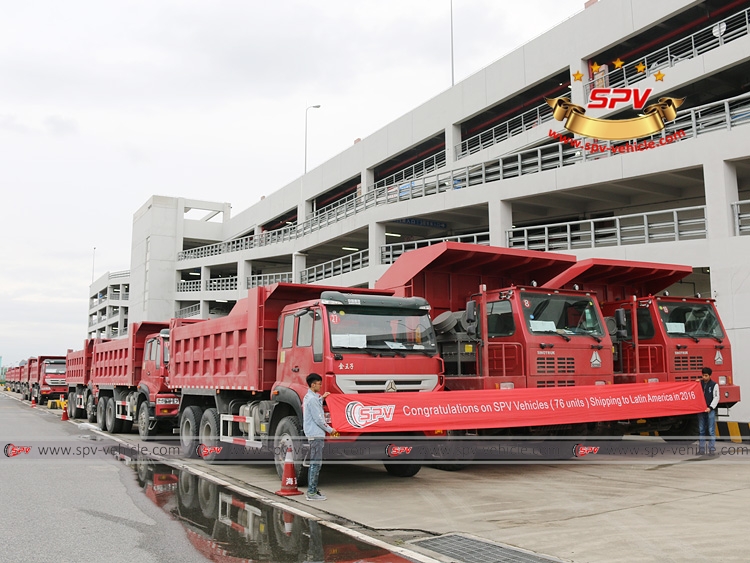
(390, 252)
(336, 267)
(640, 228)
(690, 47)
(268, 279)
(505, 130)
(188, 311)
(741, 212)
(429, 164)
(721, 115)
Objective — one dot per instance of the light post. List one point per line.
(453, 81)
(306, 110)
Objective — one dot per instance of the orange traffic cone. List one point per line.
(289, 478)
(65, 414)
(288, 523)
(33, 401)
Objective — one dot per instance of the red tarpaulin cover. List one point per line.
(459, 410)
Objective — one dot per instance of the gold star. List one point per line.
(659, 76)
(640, 67)
(595, 67)
(578, 76)
(618, 63)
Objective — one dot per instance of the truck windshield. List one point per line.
(54, 366)
(380, 328)
(562, 314)
(695, 320)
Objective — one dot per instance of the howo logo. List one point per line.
(360, 416)
(613, 97)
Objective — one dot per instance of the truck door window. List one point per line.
(318, 338)
(147, 351)
(305, 330)
(645, 324)
(287, 335)
(157, 350)
(500, 319)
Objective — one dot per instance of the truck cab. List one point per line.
(525, 337)
(358, 344)
(672, 339)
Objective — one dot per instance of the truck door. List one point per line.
(301, 345)
(150, 357)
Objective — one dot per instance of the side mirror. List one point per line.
(471, 312)
(621, 322)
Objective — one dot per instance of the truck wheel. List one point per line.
(402, 469)
(187, 486)
(189, 424)
(289, 435)
(208, 496)
(90, 408)
(71, 406)
(208, 433)
(101, 413)
(114, 424)
(686, 428)
(79, 413)
(144, 422)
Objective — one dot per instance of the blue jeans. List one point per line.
(707, 427)
(316, 461)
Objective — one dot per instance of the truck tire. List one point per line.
(71, 408)
(79, 413)
(144, 422)
(288, 434)
(208, 496)
(208, 433)
(114, 424)
(187, 489)
(402, 469)
(101, 413)
(190, 420)
(90, 408)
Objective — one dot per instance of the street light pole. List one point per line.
(453, 82)
(306, 110)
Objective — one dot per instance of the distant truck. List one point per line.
(46, 378)
(118, 382)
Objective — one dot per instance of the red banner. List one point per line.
(508, 408)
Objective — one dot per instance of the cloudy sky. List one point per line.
(103, 104)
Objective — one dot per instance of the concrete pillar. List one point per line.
(368, 179)
(375, 239)
(452, 138)
(299, 263)
(244, 270)
(501, 220)
(304, 210)
(577, 92)
(720, 181)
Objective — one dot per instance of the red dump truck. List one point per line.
(116, 382)
(672, 338)
(46, 378)
(502, 323)
(242, 377)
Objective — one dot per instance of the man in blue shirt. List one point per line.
(315, 429)
(707, 418)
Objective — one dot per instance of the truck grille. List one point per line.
(555, 365)
(381, 383)
(556, 383)
(55, 382)
(688, 363)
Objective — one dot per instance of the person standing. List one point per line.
(707, 418)
(315, 428)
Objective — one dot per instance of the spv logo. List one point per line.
(360, 416)
(611, 98)
(579, 450)
(392, 450)
(12, 451)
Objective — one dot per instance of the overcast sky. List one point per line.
(105, 103)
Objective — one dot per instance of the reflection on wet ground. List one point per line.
(225, 526)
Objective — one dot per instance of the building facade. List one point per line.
(109, 300)
(486, 162)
